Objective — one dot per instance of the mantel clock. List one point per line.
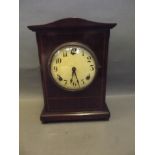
(73, 56)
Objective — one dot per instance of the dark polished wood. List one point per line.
(87, 104)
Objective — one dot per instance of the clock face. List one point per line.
(73, 66)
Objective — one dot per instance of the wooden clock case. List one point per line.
(87, 104)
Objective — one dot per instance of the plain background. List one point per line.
(121, 49)
(109, 138)
(145, 83)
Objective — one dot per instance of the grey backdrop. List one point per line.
(121, 50)
(115, 137)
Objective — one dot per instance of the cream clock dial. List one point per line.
(73, 66)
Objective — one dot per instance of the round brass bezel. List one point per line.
(78, 44)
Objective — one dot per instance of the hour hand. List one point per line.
(73, 70)
(77, 79)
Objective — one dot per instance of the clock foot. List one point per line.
(47, 117)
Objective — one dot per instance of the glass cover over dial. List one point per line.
(73, 66)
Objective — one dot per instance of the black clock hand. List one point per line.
(73, 71)
(76, 77)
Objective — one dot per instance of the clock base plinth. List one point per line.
(47, 117)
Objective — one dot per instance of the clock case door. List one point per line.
(87, 104)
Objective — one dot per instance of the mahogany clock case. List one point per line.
(89, 103)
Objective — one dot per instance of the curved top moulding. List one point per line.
(73, 23)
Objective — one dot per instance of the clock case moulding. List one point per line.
(87, 104)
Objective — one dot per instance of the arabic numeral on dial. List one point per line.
(92, 67)
(82, 53)
(64, 54)
(74, 84)
(89, 59)
(88, 77)
(58, 60)
(73, 51)
(59, 78)
(65, 82)
(83, 81)
(55, 68)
